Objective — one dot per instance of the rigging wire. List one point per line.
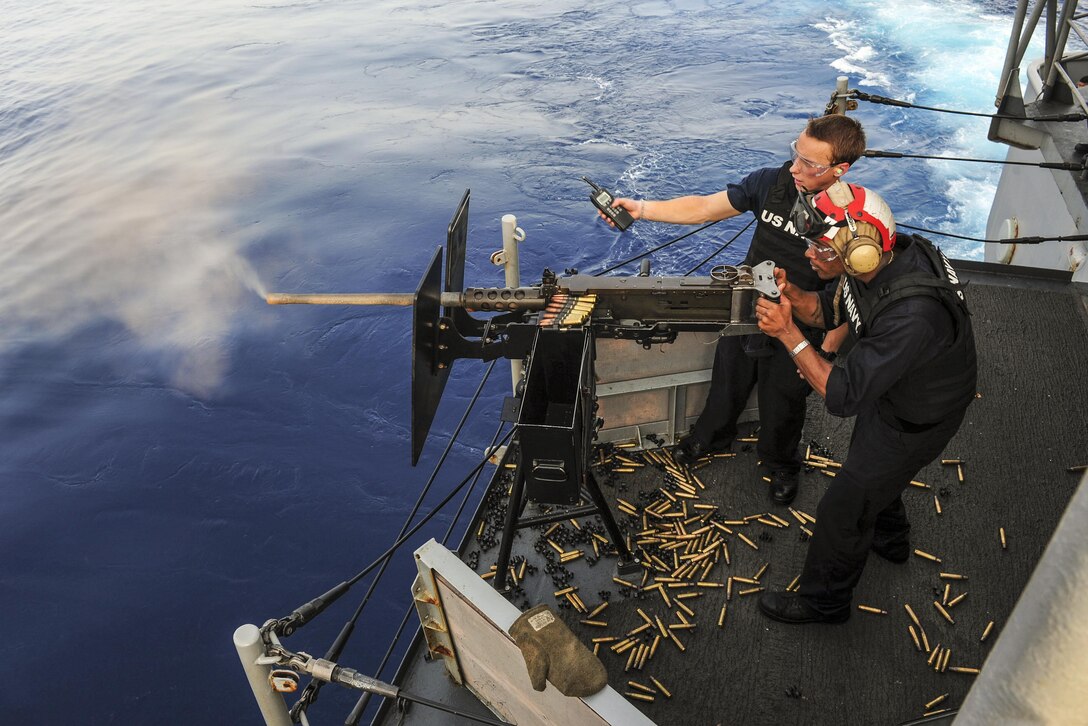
(305, 613)
(1007, 241)
(661, 246)
(884, 100)
(723, 247)
(360, 706)
(1065, 166)
(309, 694)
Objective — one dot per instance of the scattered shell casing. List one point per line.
(951, 576)
(762, 570)
(937, 504)
(914, 637)
(639, 686)
(750, 591)
(943, 612)
(935, 701)
(875, 611)
(986, 632)
(793, 584)
(913, 617)
(959, 472)
(962, 669)
(595, 623)
(661, 687)
(1001, 531)
(747, 541)
(944, 661)
(919, 484)
(956, 600)
(926, 555)
(934, 655)
(721, 616)
(947, 591)
(639, 696)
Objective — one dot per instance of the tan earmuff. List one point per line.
(860, 249)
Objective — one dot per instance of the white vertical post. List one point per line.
(841, 87)
(247, 641)
(511, 236)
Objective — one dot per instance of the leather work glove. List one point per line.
(552, 652)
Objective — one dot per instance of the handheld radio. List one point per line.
(602, 200)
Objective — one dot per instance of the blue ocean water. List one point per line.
(180, 458)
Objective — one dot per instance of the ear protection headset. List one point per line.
(856, 222)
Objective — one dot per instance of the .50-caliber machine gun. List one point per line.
(552, 325)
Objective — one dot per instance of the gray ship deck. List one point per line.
(1018, 441)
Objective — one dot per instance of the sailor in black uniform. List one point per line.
(820, 156)
(908, 378)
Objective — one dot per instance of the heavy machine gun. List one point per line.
(553, 325)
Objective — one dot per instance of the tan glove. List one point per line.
(552, 652)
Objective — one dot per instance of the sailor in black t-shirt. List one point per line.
(908, 378)
(821, 154)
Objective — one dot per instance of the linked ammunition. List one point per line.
(986, 632)
(943, 612)
(935, 701)
(875, 611)
(927, 556)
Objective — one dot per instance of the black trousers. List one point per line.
(864, 501)
(782, 393)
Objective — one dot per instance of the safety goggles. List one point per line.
(808, 221)
(817, 169)
(823, 252)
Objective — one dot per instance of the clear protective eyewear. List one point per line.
(823, 252)
(819, 169)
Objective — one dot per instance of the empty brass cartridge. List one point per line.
(1001, 531)
(927, 556)
(631, 658)
(952, 576)
(625, 583)
(564, 591)
(925, 640)
(937, 504)
(639, 629)
(935, 701)
(598, 609)
(721, 616)
(951, 462)
(914, 637)
(639, 696)
(677, 641)
(955, 601)
(959, 472)
(653, 645)
(639, 686)
(748, 542)
(623, 470)
(762, 570)
(746, 580)
(605, 639)
(943, 612)
(944, 596)
(875, 611)
(750, 591)
(595, 623)
(661, 687)
(986, 632)
(962, 669)
(685, 608)
(935, 655)
(919, 484)
(913, 617)
(793, 584)
(944, 661)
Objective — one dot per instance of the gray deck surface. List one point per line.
(1019, 438)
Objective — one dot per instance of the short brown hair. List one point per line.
(845, 135)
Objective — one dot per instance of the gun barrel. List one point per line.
(363, 298)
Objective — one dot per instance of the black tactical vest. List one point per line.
(775, 239)
(945, 384)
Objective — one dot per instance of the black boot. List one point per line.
(783, 486)
(788, 607)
